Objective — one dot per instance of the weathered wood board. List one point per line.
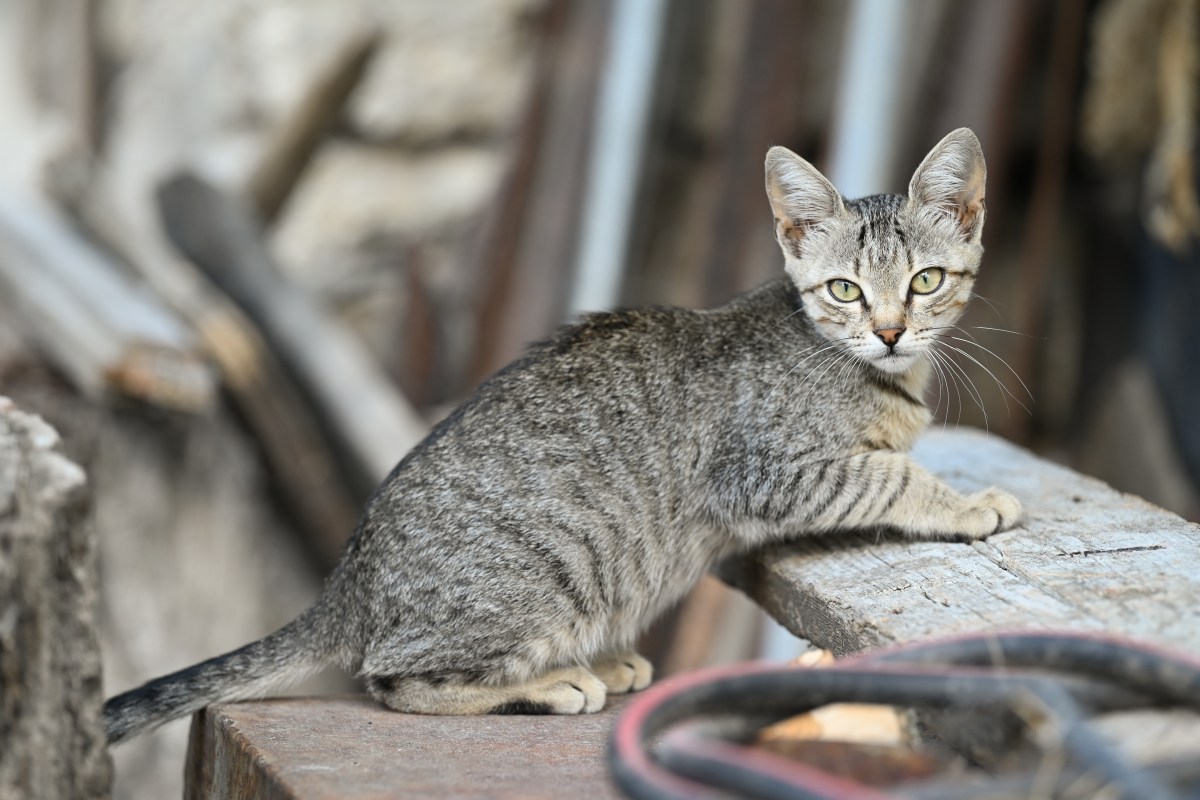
(352, 747)
(1086, 557)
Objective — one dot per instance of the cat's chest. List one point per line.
(897, 416)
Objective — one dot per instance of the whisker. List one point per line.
(794, 313)
(1004, 389)
(954, 381)
(821, 343)
(823, 348)
(965, 332)
(941, 385)
(1002, 361)
(991, 304)
(1006, 330)
(972, 389)
(832, 361)
(849, 363)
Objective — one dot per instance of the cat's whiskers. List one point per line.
(995, 355)
(972, 389)
(975, 343)
(935, 360)
(832, 361)
(854, 357)
(794, 313)
(941, 384)
(1003, 389)
(824, 347)
(959, 386)
(991, 304)
(822, 343)
(1006, 330)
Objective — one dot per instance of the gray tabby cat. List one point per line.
(508, 564)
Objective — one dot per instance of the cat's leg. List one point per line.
(890, 489)
(887, 488)
(624, 672)
(573, 690)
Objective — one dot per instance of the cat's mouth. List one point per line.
(895, 361)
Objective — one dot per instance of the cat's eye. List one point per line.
(844, 290)
(927, 280)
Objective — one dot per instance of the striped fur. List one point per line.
(510, 561)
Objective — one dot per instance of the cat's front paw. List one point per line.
(988, 512)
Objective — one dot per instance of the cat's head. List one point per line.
(885, 274)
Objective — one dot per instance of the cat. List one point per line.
(509, 562)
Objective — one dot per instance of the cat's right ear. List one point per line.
(801, 197)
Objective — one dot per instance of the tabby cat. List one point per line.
(509, 562)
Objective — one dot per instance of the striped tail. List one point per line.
(290, 654)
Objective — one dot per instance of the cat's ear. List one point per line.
(952, 179)
(800, 196)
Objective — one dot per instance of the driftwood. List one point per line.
(102, 331)
(51, 738)
(369, 420)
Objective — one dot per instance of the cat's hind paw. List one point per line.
(574, 690)
(990, 511)
(627, 672)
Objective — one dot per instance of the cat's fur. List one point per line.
(510, 561)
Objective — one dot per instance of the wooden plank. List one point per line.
(1086, 558)
(354, 748)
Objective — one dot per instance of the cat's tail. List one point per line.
(290, 654)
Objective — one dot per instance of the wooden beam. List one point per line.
(1086, 558)
(101, 330)
(371, 423)
(293, 142)
(319, 498)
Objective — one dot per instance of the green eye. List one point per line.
(845, 291)
(927, 280)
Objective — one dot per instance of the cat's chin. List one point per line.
(896, 363)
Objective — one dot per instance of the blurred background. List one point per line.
(251, 249)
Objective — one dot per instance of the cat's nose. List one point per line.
(889, 336)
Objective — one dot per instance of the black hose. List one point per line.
(993, 673)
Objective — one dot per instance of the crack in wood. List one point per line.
(1138, 549)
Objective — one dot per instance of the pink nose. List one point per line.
(889, 335)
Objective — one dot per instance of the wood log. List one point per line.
(101, 330)
(51, 736)
(291, 148)
(371, 423)
(323, 505)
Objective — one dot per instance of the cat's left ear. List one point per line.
(952, 179)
